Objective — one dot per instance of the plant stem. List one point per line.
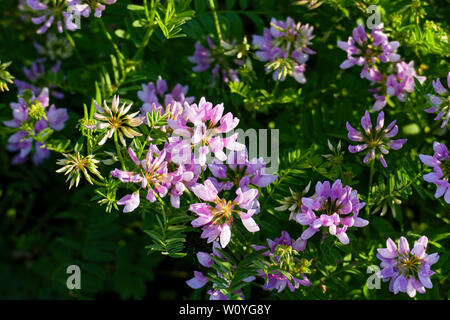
(372, 167)
(74, 46)
(116, 48)
(151, 19)
(216, 19)
(119, 153)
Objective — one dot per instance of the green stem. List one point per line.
(97, 183)
(119, 153)
(72, 43)
(216, 19)
(151, 19)
(372, 167)
(111, 40)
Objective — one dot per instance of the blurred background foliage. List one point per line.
(44, 227)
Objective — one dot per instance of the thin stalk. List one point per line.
(216, 19)
(372, 167)
(116, 48)
(119, 153)
(74, 46)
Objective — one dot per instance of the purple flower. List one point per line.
(396, 84)
(33, 112)
(216, 219)
(84, 9)
(285, 47)
(283, 253)
(172, 102)
(201, 127)
(440, 162)
(335, 208)
(440, 102)
(52, 11)
(374, 139)
(204, 58)
(35, 74)
(366, 50)
(153, 175)
(408, 270)
(131, 202)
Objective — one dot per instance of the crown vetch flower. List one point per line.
(441, 101)
(440, 162)
(293, 203)
(83, 7)
(396, 84)
(49, 12)
(374, 139)
(335, 208)
(203, 58)
(216, 219)
(367, 50)
(283, 253)
(116, 120)
(155, 97)
(408, 270)
(202, 127)
(31, 113)
(34, 76)
(76, 164)
(285, 47)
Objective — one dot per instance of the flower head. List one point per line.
(116, 119)
(214, 56)
(201, 128)
(408, 270)
(47, 12)
(440, 162)
(216, 215)
(284, 254)
(374, 139)
(285, 47)
(441, 101)
(84, 7)
(367, 50)
(31, 115)
(334, 207)
(76, 164)
(293, 203)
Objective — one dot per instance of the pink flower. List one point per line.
(441, 101)
(374, 139)
(408, 270)
(440, 162)
(216, 219)
(335, 208)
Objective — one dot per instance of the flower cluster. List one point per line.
(35, 75)
(334, 207)
(283, 254)
(116, 120)
(239, 172)
(376, 55)
(216, 214)
(285, 48)
(199, 280)
(440, 162)
(31, 115)
(200, 128)
(152, 94)
(408, 270)
(374, 139)
(84, 7)
(215, 56)
(47, 12)
(153, 175)
(441, 101)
